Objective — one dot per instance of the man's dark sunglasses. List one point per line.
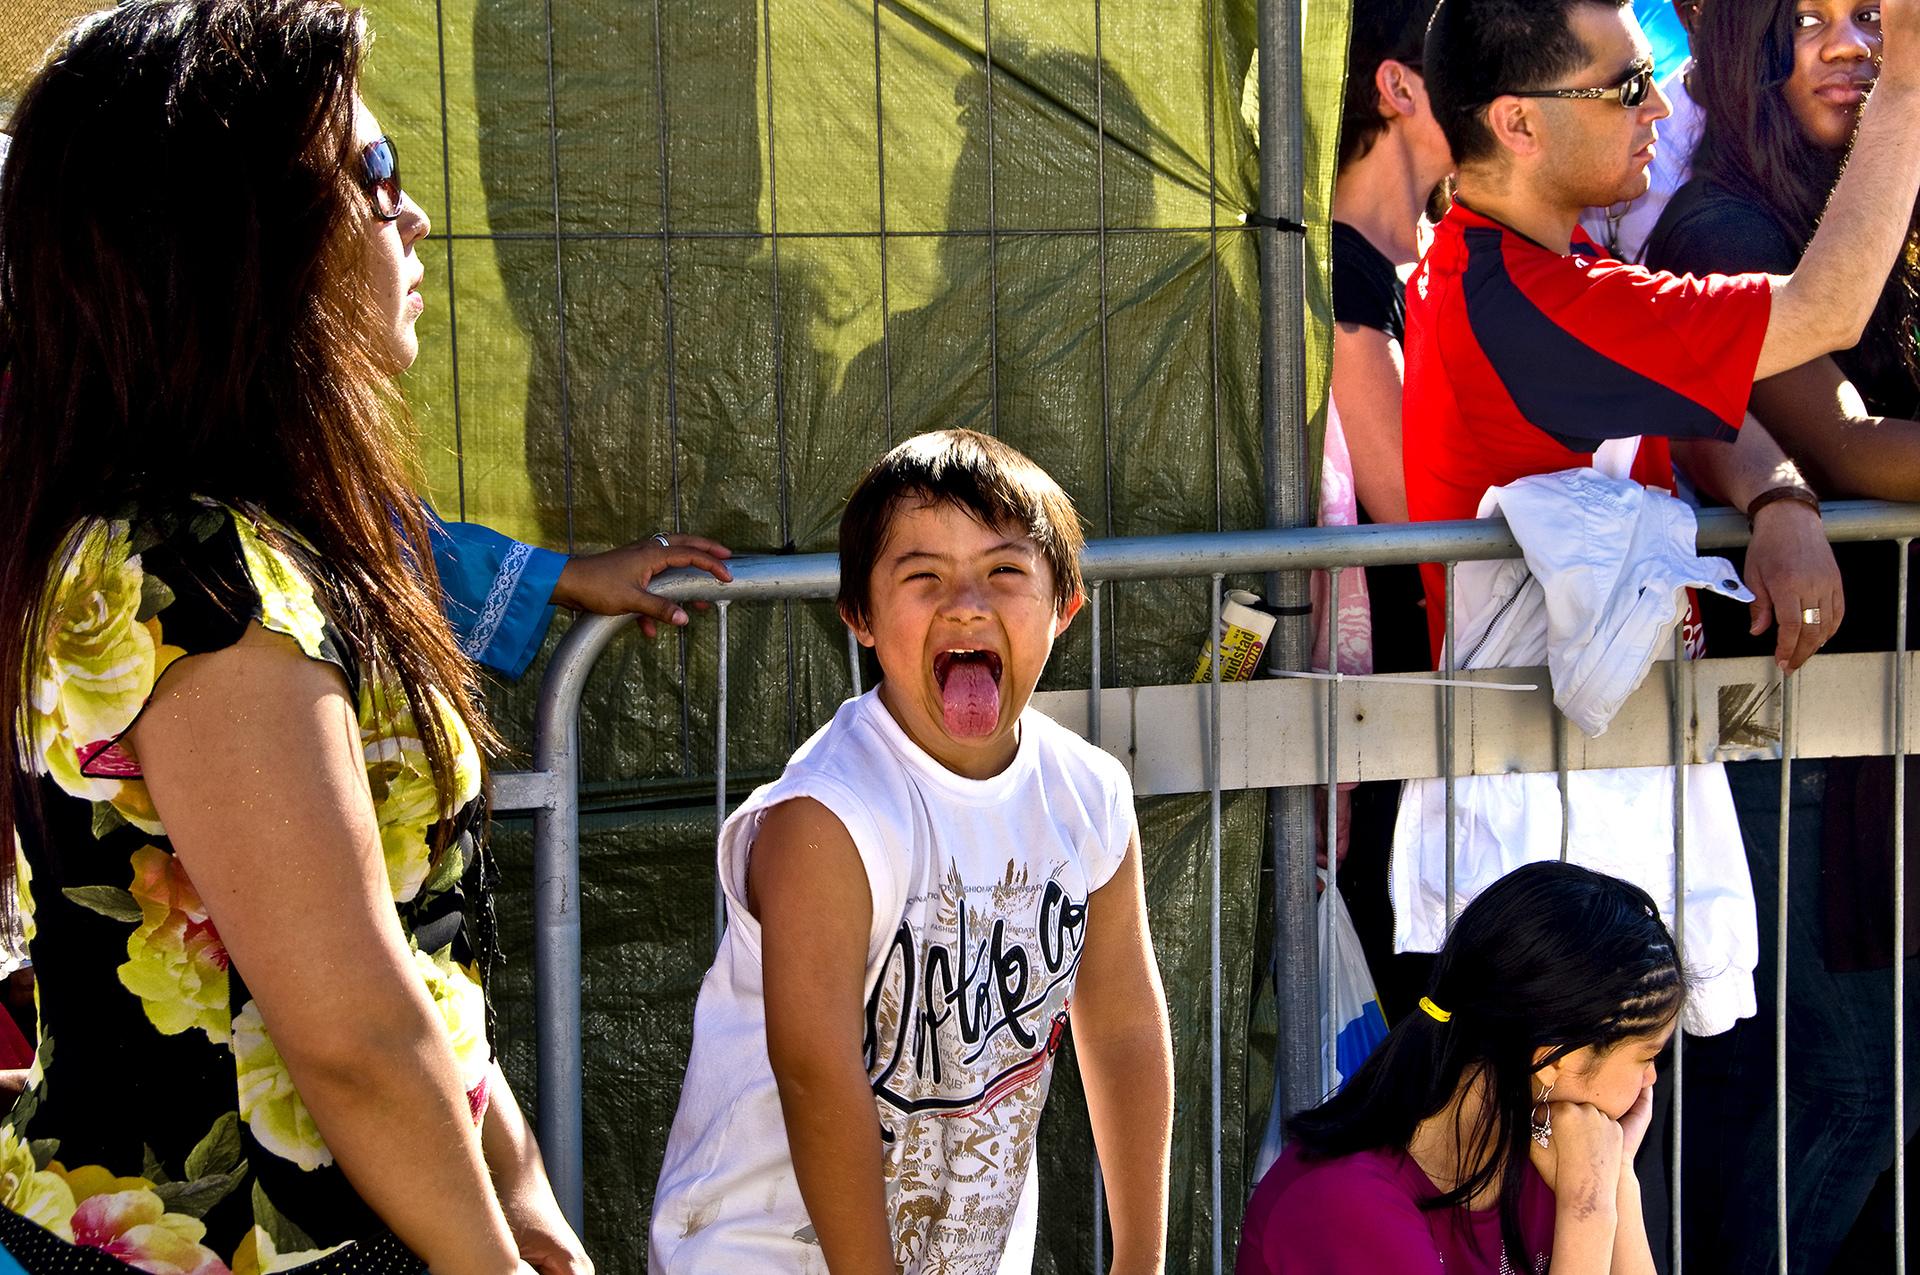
(381, 176)
(1632, 89)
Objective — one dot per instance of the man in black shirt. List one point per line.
(1392, 155)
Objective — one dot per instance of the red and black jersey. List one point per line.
(1522, 360)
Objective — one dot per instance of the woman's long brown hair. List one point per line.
(183, 312)
(1752, 145)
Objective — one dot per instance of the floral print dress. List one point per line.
(160, 1128)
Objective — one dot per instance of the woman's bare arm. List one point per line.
(252, 758)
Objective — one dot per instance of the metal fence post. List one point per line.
(1283, 408)
(556, 909)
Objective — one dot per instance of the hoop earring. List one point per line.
(1540, 1119)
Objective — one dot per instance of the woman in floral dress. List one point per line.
(246, 813)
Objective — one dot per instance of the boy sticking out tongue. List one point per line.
(938, 885)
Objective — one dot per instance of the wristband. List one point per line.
(1792, 491)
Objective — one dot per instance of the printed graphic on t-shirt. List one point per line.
(962, 1027)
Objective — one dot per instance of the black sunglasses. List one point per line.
(1632, 89)
(381, 176)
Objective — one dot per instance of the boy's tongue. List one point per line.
(971, 698)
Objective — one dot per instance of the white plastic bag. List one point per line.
(1352, 1018)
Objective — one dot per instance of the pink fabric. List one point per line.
(15, 1052)
(1340, 507)
(1360, 1215)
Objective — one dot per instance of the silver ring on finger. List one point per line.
(660, 538)
(1811, 615)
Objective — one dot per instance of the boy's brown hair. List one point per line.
(990, 480)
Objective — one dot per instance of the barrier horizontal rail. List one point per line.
(551, 790)
(1258, 552)
(816, 577)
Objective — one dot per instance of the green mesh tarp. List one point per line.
(696, 263)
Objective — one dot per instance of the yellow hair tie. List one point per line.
(1434, 1012)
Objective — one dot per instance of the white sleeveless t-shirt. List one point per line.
(980, 892)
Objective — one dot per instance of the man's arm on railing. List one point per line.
(1790, 566)
(1121, 1036)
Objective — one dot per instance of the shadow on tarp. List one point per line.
(785, 378)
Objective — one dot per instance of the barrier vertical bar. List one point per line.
(1787, 688)
(1213, 265)
(1560, 761)
(1328, 1025)
(1900, 917)
(1681, 683)
(1213, 930)
(670, 354)
(886, 306)
(993, 231)
(557, 978)
(1106, 319)
(1283, 420)
(556, 966)
(560, 274)
(785, 486)
(1095, 592)
(1093, 737)
(1448, 707)
(446, 237)
(720, 767)
(1100, 255)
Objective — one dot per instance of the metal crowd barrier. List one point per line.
(1217, 738)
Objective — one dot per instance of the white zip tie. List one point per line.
(1403, 680)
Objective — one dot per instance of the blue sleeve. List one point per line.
(498, 593)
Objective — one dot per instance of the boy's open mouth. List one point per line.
(969, 690)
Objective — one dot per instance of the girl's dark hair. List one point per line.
(1551, 957)
(184, 311)
(1752, 145)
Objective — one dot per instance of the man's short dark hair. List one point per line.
(1379, 30)
(1479, 49)
(980, 474)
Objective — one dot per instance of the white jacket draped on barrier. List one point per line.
(1607, 569)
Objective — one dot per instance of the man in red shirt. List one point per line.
(1528, 351)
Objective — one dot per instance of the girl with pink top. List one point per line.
(1494, 1130)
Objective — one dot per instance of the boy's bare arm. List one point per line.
(1121, 1035)
(806, 886)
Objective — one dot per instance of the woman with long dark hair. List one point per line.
(1494, 1130)
(246, 811)
(1781, 83)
